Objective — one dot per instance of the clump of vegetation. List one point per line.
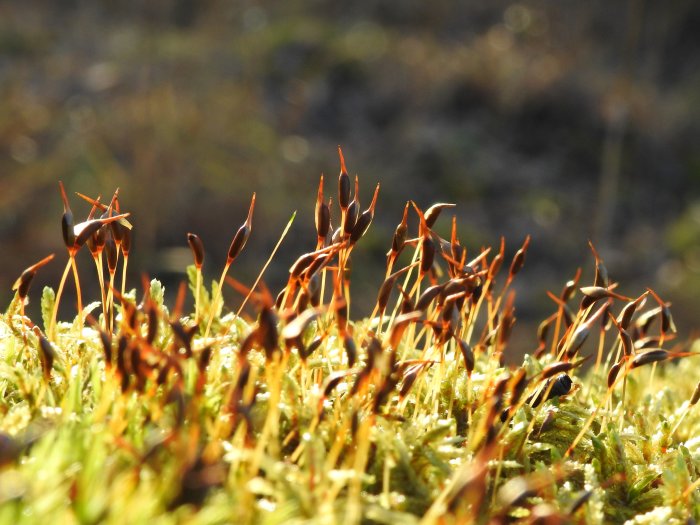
(304, 415)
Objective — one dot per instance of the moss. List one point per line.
(237, 424)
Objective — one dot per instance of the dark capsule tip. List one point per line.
(562, 385)
(24, 283)
(361, 227)
(323, 220)
(111, 251)
(197, 247)
(696, 395)
(612, 374)
(126, 242)
(67, 225)
(238, 243)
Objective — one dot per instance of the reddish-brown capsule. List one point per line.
(432, 213)
(280, 298)
(595, 293)
(204, 358)
(518, 385)
(644, 322)
(294, 329)
(137, 367)
(364, 220)
(22, 284)
(570, 287)
(318, 263)
(696, 395)
(48, 354)
(92, 245)
(409, 378)
(197, 247)
(238, 243)
(450, 309)
(96, 242)
(374, 350)
(581, 333)
(248, 344)
(601, 272)
(456, 262)
(343, 183)
(301, 264)
(384, 293)
(267, 332)
(106, 340)
(519, 259)
(350, 349)
(241, 237)
(126, 242)
(625, 317)
(183, 336)
(454, 241)
(605, 320)
(322, 214)
(386, 287)
(84, 230)
(649, 356)
(614, 371)
(507, 320)
(406, 302)
(152, 314)
(111, 251)
(427, 254)
(497, 261)
(543, 328)
(122, 345)
(667, 324)
(340, 307)
(468, 356)
(650, 341)
(553, 369)
(313, 346)
(119, 232)
(382, 395)
(399, 239)
(75, 235)
(67, 229)
(361, 226)
(353, 211)
(362, 377)
(333, 381)
(331, 231)
(427, 246)
(100, 239)
(117, 228)
(625, 338)
(400, 324)
(455, 285)
(427, 297)
(314, 290)
(67, 222)
(130, 315)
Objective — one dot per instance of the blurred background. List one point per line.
(566, 120)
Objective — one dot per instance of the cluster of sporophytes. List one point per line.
(302, 415)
